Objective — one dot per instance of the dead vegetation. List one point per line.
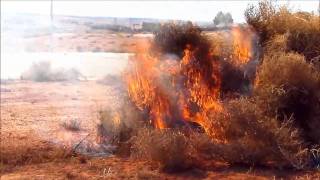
(19, 151)
(288, 86)
(274, 123)
(169, 148)
(299, 31)
(72, 125)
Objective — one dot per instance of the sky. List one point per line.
(184, 10)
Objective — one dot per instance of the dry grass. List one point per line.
(146, 175)
(20, 151)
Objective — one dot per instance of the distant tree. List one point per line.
(223, 19)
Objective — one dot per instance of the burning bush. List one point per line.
(176, 89)
(173, 39)
(288, 86)
(180, 85)
(302, 28)
(118, 125)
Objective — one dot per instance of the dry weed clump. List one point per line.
(289, 86)
(302, 29)
(174, 39)
(169, 148)
(72, 125)
(247, 135)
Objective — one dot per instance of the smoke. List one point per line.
(43, 72)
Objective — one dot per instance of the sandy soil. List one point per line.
(31, 118)
(95, 41)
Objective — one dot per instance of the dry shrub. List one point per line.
(174, 38)
(304, 36)
(247, 136)
(277, 44)
(72, 125)
(259, 17)
(169, 148)
(302, 28)
(289, 86)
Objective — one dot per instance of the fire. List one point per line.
(143, 91)
(242, 44)
(179, 91)
(173, 91)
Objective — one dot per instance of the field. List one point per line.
(96, 100)
(33, 140)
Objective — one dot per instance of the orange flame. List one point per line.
(170, 100)
(187, 90)
(242, 44)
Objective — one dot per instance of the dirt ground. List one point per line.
(35, 145)
(95, 41)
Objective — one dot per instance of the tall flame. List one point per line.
(173, 92)
(242, 44)
(185, 90)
